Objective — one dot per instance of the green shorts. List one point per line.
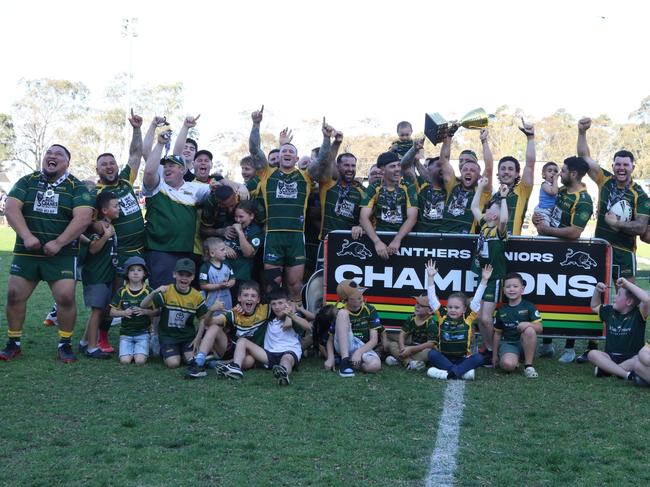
(493, 291)
(44, 268)
(623, 262)
(285, 249)
(511, 347)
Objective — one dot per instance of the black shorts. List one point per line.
(618, 358)
(275, 357)
(173, 349)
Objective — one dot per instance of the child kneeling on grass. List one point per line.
(282, 350)
(453, 359)
(419, 334)
(136, 320)
(516, 326)
(624, 329)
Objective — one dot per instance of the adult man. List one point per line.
(285, 191)
(50, 202)
(391, 205)
(573, 208)
(171, 212)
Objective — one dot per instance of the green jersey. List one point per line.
(458, 216)
(517, 201)
(339, 205)
(285, 199)
(389, 206)
(431, 202)
(422, 332)
(100, 267)
(214, 215)
(253, 187)
(572, 209)
(455, 334)
(624, 333)
(251, 326)
(364, 320)
(178, 311)
(47, 207)
(490, 249)
(124, 299)
(242, 267)
(508, 318)
(129, 226)
(610, 194)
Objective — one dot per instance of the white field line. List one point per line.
(443, 458)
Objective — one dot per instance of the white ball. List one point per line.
(622, 210)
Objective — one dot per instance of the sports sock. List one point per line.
(14, 336)
(527, 365)
(103, 336)
(200, 359)
(65, 337)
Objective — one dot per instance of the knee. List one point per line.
(372, 366)
(508, 365)
(529, 332)
(140, 359)
(13, 297)
(173, 362)
(126, 359)
(644, 356)
(65, 299)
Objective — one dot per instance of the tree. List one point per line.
(7, 138)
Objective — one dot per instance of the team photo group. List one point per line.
(210, 274)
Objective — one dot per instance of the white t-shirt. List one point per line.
(279, 340)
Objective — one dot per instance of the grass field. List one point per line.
(99, 423)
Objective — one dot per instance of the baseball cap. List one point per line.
(135, 260)
(386, 158)
(174, 159)
(422, 300)
(347, 289)
(185, 265)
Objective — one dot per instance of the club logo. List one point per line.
(579, 259)
(355, 249)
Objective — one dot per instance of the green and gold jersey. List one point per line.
(572, 209)
(508, 318)
(178, 311)
(48, 207)
(214, 215)
(251, 326)
(101, 266)
(124, 299)
(490, 249)
(129, 226)
(242, 267)
(455, 334)
(285, 198)
(253, 186)
(424, 332)
(364, 320)
(389, 206)
(458, 216)
(340, 205)
(517, 201)
(171, 215)
(624, 333)
(609, 194)
(431, 202)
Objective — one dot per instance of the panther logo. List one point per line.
(355, 249)
(579, 259)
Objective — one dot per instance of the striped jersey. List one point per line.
(340, 205)
(178, 311)
(285, 199)
(389, 206)
(571, 209)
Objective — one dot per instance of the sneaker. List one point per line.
(105, 347)
(10, 352)
(531, 373)
(220, 368)
(65, 354)
(82, 348)
(436, 373)
(568, 356)
(582, 358)
(487, 358)
(390, 360)
(194, 372)
(547, 350)
(640, 381)
(345, 369)
(233, 371)
(97, 354)
(598, 372)
(416, 365)
(469, 375)
(281, 374)
(51, 319)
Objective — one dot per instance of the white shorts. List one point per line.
(354, 344)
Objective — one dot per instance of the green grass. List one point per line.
(99, 423)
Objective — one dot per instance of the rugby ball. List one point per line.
(622, 210)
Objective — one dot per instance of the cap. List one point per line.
(174, 159)
(386, 158)
(135, 260)
(185, 265)
(348, 288)
(422, 300)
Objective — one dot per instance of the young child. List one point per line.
(356, 332)
(179, 304)
(242, 249)
(548, 191)
(516, 327)
(404, 142)
(215, 276)
(420, 332)
(99, 271)
(220, 334)
(136, 320)
(624, 329)
(282, 350)
(490, 249)
(453, 358)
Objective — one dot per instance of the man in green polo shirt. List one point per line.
(48, 210)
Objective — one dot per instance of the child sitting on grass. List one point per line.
(453, 359)
(418, 335)
(282, 350)
(516, 327)
(624, 329)
(136, 320)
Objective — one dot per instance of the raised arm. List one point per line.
(448, 173)
(597, 298)
(317, 166)
(488, 158)
(135, 149)
(528, 175)
(641, 295)
(476, 200)
(583, 148)
(255, 141)
(151, 178)
(331, 170)
(151, 134)
(188, 123)
(503, 209)
(432, 270)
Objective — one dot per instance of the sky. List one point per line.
(347, 60)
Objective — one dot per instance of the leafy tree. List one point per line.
(7, 137)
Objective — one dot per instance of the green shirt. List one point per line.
(100, 267)
(490, 249)
(572, 209)
(285, 199)
(423, 332)
(609, 194)
(431, 203)
(624, 333)
(517, 201)
(129, 226)
(48, 209)
(124, 299)
(252, 327)
(389, 206)
(214, 215)
(508, 318)
(458, 216)
(455, 334)
(364, 320)
(242, 267)
(178, 311)
(340, 205)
